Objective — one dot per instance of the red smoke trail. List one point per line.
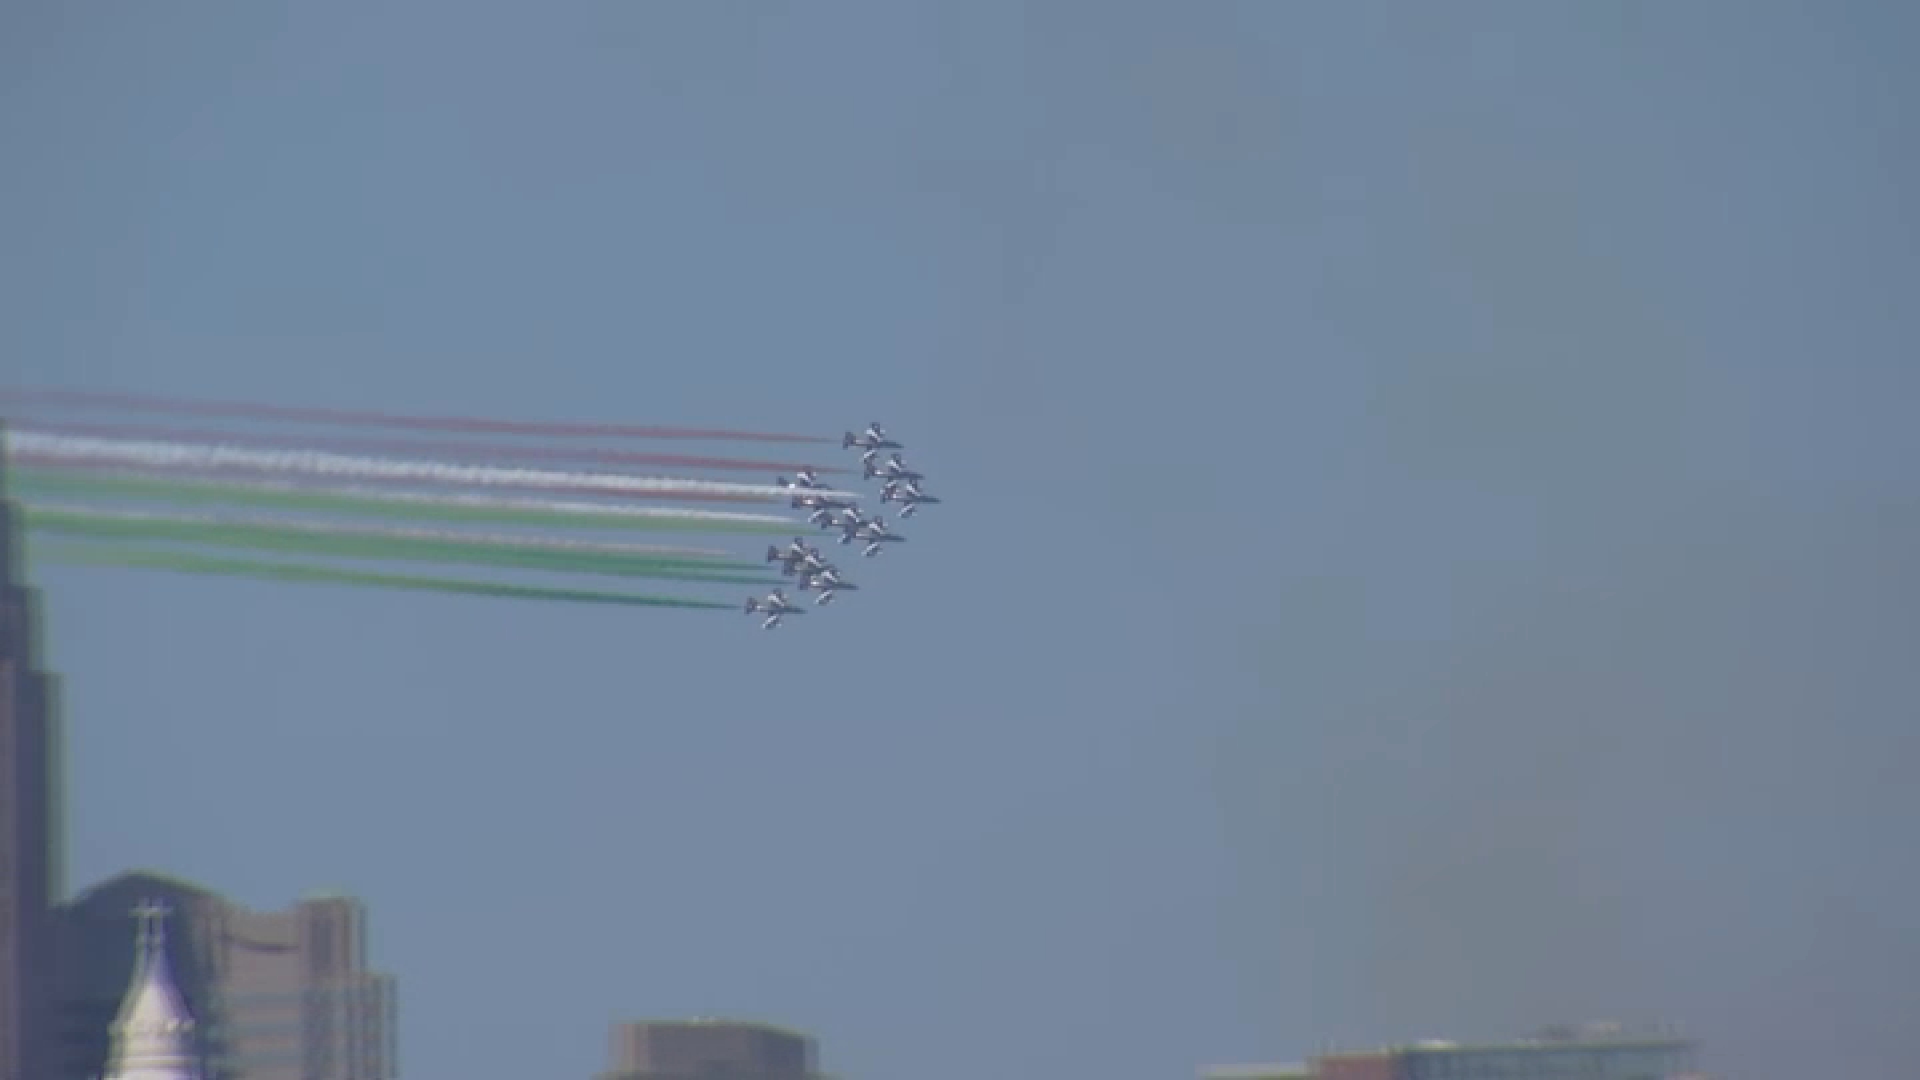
(352, 445)
(361, 418)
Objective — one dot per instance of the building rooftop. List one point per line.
(1289, 1071)
(1560, 1037)
(718, 1021)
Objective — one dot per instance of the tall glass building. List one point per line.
(29, 816)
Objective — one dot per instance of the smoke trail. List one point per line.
(50, 512)
(495, 451)
(312, 540)
(360, 502)
(76, 399)
(137, 558)
(159, 455)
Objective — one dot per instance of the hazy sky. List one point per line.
(1430, 544)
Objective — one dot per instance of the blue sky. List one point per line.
(1429, 546)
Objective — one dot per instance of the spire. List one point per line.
(152, 1036)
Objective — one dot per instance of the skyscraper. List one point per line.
(29, 848)
(280, 995)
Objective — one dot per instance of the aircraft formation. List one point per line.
(834, 512)
(134, 491)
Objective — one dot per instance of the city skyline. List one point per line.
(1596, 1050)
(324, 936)
(279, 995)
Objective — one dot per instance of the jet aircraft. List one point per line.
(891, 469)
(874, 438)
(814, 496)
(825, 516)
(829, 582)
(849, 522)
(826, 500)
(804, 479)
(794, 551)
(907, 494)
(875, 532)
(796, 556)
(838, 511)
(777, 607)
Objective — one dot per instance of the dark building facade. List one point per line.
(708, 1050)
(29, 841)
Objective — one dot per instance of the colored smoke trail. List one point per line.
(360, 502)
(361, 445)
(56, 449)
(77, 399)
(137, 558)
(312, 540)
(556, 544)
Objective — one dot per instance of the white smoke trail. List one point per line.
(556, 544)
(398, 499)
(549, 506)
(162, 455)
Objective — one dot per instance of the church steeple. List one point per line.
(153, 1035)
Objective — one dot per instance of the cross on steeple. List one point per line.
(152, 932)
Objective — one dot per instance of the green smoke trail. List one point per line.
(33, 481)
(140, 558)
(306, 541)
